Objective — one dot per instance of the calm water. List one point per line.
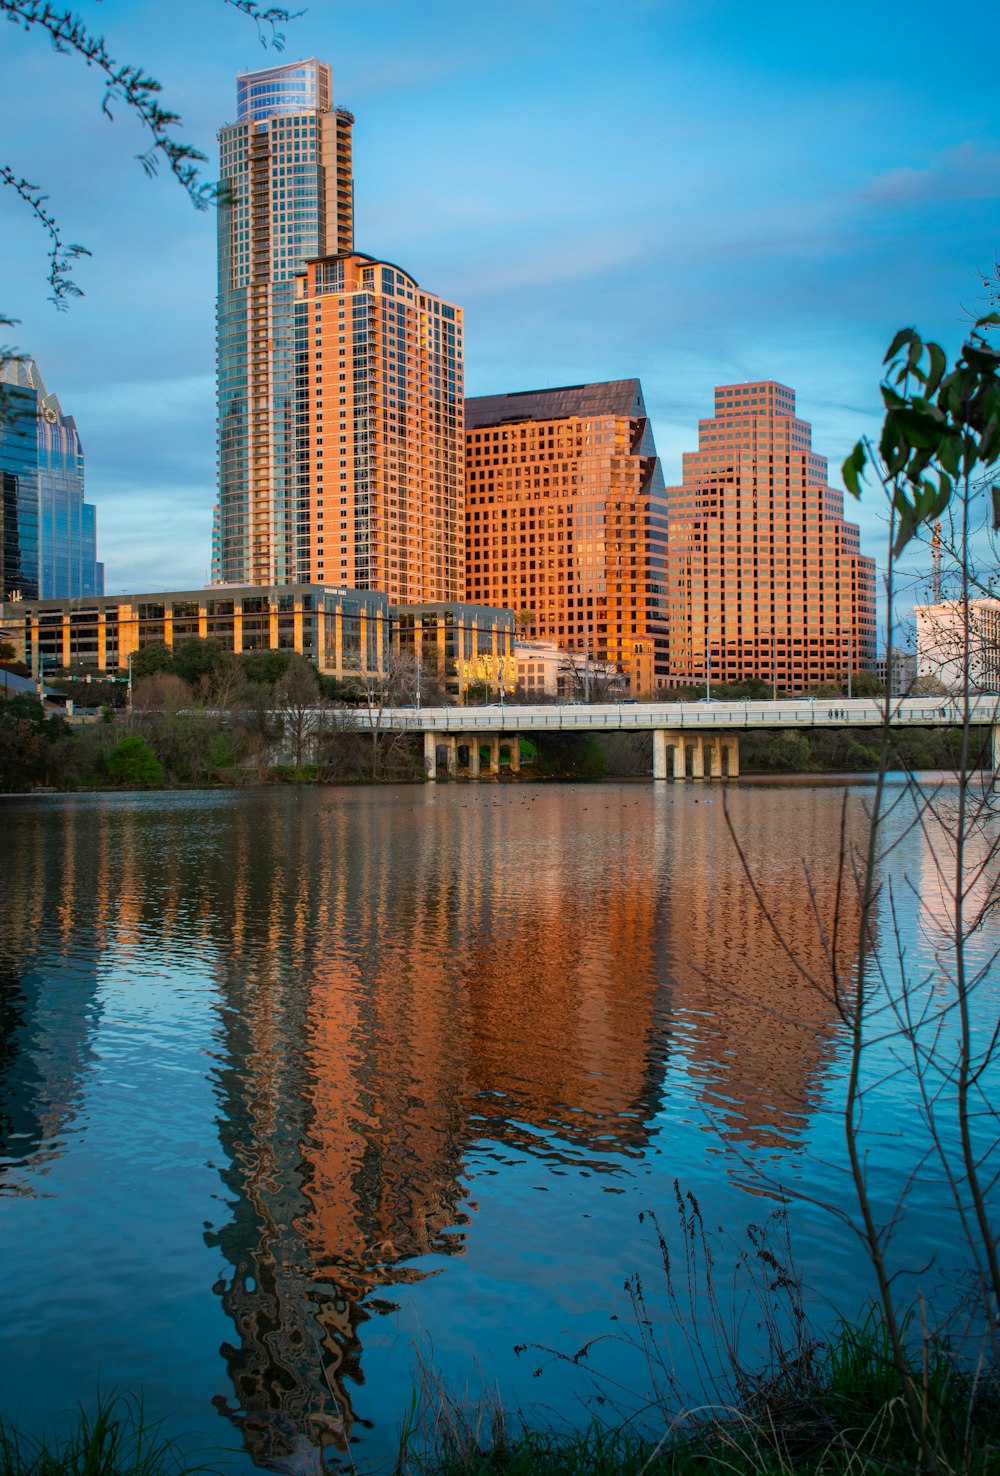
(296, 1087)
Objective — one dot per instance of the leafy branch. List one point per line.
(139, 93)
(936, 435)
(62, 254)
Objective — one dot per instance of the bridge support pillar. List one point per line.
(698, 757)
(430, 755)
(715, 757)
(515, 754)
(473, 745)
(732, 744)
(659, 753)
(452, 746)
(679, 751)
(494, 741)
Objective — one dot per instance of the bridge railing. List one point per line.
(824, 712)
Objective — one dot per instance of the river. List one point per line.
(302, 1090)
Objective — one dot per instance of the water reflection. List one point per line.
(764, 913)
(399, 979)
(48, 1007)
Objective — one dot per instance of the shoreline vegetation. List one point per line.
(836, 1409)
(201, 717)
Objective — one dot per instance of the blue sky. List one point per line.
(688, 191)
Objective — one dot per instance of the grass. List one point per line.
(116, 1440)
(840, 1414)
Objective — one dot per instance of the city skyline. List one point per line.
(596, 219)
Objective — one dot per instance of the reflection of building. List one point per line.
(953, 638)
(344, 631)
(754, 976)
(412, 990)
(285, 165)
(380, 467)
(566, 518)
(363, 1058)
(766, 579)
(58, 911)
(48, 547)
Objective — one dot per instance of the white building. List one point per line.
(941, 644)
(539, 666)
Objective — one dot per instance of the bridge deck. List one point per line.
(706, 716)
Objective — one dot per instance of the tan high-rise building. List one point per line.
(566, 521)
(378, 409)
(285, 167)
(766, 579)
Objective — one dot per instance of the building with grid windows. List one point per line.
(48, 532)
(566, 522)
(766, 579)
(958, 644)
(380, 451)
(346, 633)
(285, 168)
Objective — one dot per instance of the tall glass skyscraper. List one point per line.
(49, 540)
(288, 195)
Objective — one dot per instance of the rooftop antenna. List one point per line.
(936, 563)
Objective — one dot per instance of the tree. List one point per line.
(124, 85)
(225, 684)
(588, 679)
(265, 667)
(297, 698)
(394, 686)
(256, 725)
(195, 658)
(160, 692)
(940, 434)
(148, 660)
(132, 761)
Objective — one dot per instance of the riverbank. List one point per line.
(839, 1411)
(158, 750)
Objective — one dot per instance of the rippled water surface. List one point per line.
(296, 1084)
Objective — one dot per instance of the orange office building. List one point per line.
(378, 418)
(566, 521)
(766, 579)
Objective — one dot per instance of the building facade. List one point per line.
(345, 632)
(566, 522)
(285, 169)
(958, 644)
(766, 579)
(380, 448)
(48, 547)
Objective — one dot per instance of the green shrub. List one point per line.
(132, 761)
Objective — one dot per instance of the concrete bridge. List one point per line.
(691, 740)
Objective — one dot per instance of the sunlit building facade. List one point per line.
(566, 521)
(380, 450)
(285, 169)
(958, 644)
(48, 547)
(344, 632)
(766, 578)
